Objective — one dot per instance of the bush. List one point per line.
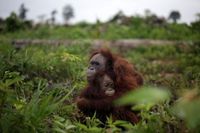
(13, 23)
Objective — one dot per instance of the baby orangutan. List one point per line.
(107, 85)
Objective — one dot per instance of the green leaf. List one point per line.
(188, 111)
(144, 96)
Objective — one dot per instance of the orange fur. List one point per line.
(92, 99)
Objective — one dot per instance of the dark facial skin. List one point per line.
(107, 85)
(97, 65)
(106, 82)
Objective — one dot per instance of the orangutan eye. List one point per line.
(95, 63)
(106, 84)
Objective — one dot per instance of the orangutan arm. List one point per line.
(122, 113)
(104, 104)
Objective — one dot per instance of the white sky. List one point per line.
(90, 10)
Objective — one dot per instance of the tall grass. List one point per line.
(38, 85)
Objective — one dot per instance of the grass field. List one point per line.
(39, 84)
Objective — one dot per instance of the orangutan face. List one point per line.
(97, 65)
(106, 83)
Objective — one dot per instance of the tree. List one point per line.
(147, 13)
(198, 16)
(41, 18)
(53, 18)
(13, 23)
(175, 15)
(196, 24)
(117, 17)
(68, 13)
(2, 24)
(22, 12)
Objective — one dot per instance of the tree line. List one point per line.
(16, 22)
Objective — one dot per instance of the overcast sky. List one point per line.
(90, 10)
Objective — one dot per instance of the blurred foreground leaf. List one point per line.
(188, 108)
(144, 98)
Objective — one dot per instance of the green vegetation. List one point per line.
(120, 27)
(39, 83)
(109, 31)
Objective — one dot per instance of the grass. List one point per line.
(39, 83)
